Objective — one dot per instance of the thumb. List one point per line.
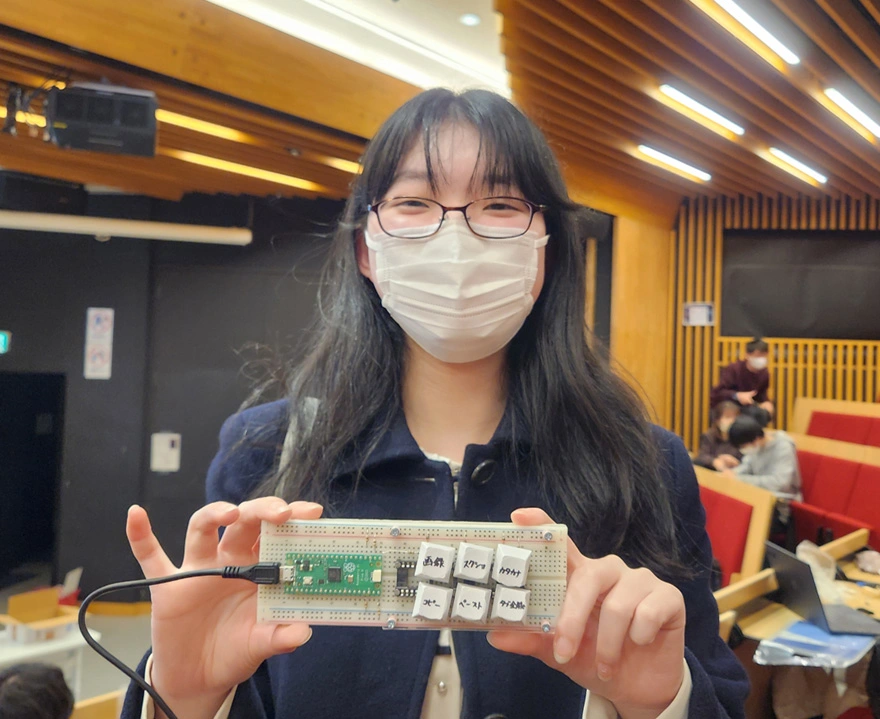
(271, 639)
(528, 516)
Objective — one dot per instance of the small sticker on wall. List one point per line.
(99, 343)
(698, 314)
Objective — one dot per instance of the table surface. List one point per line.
(13, 652)
(762, 619)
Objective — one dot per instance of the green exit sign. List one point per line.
(5, 340)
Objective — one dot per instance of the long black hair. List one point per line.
(591, 446)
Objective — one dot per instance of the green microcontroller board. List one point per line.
(352, 574)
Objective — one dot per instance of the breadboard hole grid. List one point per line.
(400, 541)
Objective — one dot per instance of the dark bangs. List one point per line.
(512, 150)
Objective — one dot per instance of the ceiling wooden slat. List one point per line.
(528, 55)
(591, 72)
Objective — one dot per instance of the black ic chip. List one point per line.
(402, 577)
(334, 574)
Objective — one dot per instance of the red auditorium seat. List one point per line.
(852, 428)
(809, 522)
(808, 463)
(864, 500)
(822, 424)
(873, 438)
(727, 524)
(839, 525)
(833, 484)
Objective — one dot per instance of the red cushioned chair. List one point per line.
(727, 523)
(808, 463)
(833, 484)
(822, 424)
(809, 522)
(852, 428)
(864, 500)
(839, 525)
(873, 438)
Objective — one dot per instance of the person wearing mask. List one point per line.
(769, 460)
(716, 451)
(34, 691)
(746, 381)
(451, 378)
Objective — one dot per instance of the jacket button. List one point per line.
(483, 472)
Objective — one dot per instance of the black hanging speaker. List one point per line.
(103, 118)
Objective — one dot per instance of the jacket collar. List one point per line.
(398, 444)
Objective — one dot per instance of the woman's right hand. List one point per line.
(206, 639)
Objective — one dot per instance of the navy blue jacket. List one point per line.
(369, 673)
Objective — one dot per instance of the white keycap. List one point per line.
(432, 602)
(473, 562)
(511, 565)
(471, 603)
(510, 604)
(435, 562)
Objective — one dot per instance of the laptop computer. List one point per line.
(798, 592)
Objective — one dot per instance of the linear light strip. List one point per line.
(854, 112)
(759, 31)
(673, 162)
(806, 169)
(700, 108)
(246, 170)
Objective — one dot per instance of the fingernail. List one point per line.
(563, 650)
(604, 671)
(308, 637)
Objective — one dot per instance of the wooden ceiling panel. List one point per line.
(264, 140)
(591, 72)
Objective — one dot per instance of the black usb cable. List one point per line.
(262, 573)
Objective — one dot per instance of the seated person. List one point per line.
(745, 382)
(34, 691)
(716, 451)
(769, 460)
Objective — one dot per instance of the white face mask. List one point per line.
(458, 296)
(758, 362)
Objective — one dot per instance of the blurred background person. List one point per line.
(34, 691)
(745, 381)
(769, 460)
(716, 451)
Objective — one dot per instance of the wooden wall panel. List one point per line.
(640, 305)
(799, 367)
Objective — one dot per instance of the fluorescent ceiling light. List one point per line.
(701, 109)
(207, 128)
(759, 31)
(320, 33)
(257, 173)
(682, 168)
(102, 227)
(854, 112)
(470, 19)
(797, 164)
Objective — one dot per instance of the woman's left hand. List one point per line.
(620, 633)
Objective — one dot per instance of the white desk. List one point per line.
(64, 653)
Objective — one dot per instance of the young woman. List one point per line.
(450, 378)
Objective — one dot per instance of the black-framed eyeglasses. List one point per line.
(493, 218)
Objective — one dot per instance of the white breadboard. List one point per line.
(329, 567)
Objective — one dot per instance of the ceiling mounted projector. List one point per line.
(103, 118)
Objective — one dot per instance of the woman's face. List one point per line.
(457, 156)
(726, 419)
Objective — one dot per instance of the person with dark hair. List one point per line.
(450, 378)
(746, 381)
(769, 460)
(34, 691)
(716, 451)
